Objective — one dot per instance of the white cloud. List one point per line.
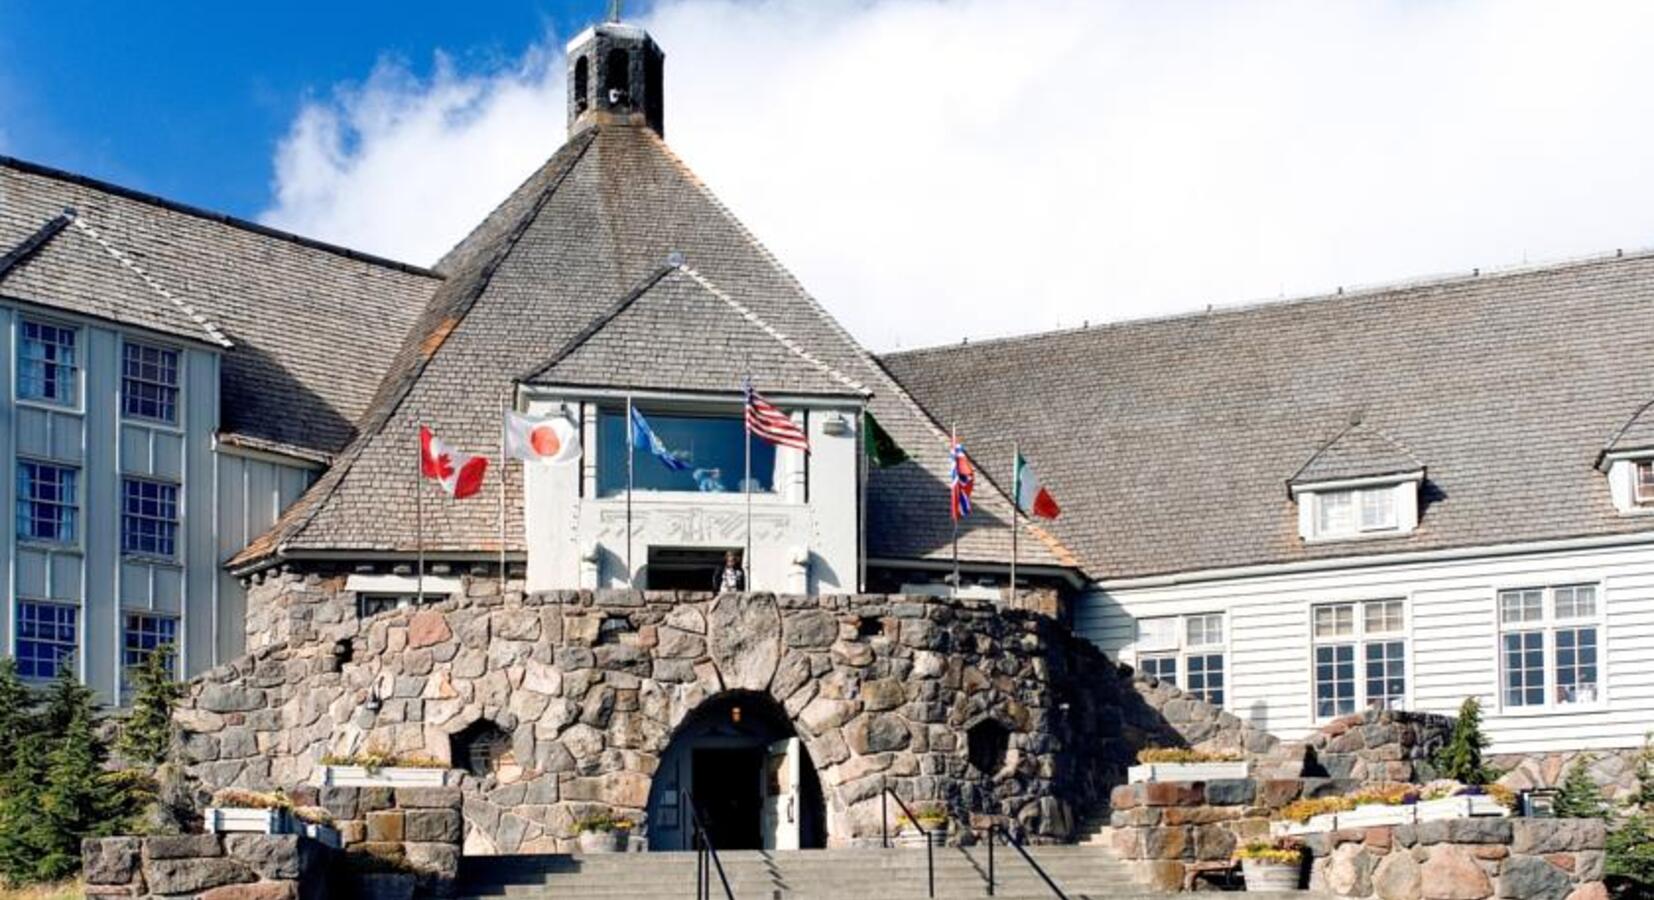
(934, 170)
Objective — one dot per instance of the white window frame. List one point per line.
(176, 423)
(1547, 624)
(1639, 496)
(1402, 507)
(74, 371)
(1358, 499)
(1183, 647)
(1359, 638)
(76, 508)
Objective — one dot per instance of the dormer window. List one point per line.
(1360, 484)
(1642, 482)
(1353, 511)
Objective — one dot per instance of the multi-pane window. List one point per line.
(1642, 481)
(145, 633)
(46, 365)
(149, 517)
(47, 502)
(45, 638)
(1550, 646)
(1360, 656)
(1185, 651)
(1354, 511)
(149, 382)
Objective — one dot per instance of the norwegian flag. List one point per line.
(963, 480)
(768, 422)
(460, 474)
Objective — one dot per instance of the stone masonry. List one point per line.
(589, 688)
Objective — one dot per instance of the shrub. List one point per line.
(1149, 755)
(146, 735)
(1580, 798)
(603, 821)
(373, 760)
(244, 799)
(1461, 757)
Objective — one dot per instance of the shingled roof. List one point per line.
(1357, 451)
(576, 239)
(1167, 441)
(282, 308)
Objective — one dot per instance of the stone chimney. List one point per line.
(615, 73)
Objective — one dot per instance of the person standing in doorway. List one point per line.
(731, 578)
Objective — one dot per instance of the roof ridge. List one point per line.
(1348, 429)
(199, 212)
(213, 332)
(375, 421)
(599, 322)
(1356, 292)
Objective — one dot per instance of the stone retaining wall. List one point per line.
(1377, 746)
(591, 686)
(209, 867)
(1463, 859)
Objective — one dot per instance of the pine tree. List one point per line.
(1644, 798)
(1580, 798)
(146, 735)
(16, 707)
(1461, 758)
(21, 785)
(76, 801)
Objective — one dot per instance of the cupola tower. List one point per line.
(615, 72)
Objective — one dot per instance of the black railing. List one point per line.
(930, 845)
(1013, 843)
(705, 853)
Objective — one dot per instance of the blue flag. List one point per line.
(644, 436)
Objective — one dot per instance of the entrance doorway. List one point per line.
(739, 760)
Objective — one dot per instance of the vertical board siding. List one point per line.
(252, 493)
(1452, 638)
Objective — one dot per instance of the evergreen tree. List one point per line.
(146, 735)
(16, 707)
(1644, 798)
(21, 785)
(77, 801)
(1461, 758)
(1580, 798)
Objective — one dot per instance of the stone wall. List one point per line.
(209, 867)
(591, 686)
(1463, 859)
(1615, 771)
(412, 830)
(1376, 746)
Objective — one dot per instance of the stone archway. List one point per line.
(739, 758)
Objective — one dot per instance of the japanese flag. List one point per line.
(553, 439)
(460, 474)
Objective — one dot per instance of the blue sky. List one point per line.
(930, 169)
(189, 99)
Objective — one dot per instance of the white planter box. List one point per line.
(322, 834)
(246, 819)
(1208, 771)
(1375, 815)
(1317, 825)
(390, 776)
(1460, 808)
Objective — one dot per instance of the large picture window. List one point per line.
(1360, 654)
(1185, 651)
(711, 446)
(149, 383)
(46, 365)
(47, 502)
(1550, 646)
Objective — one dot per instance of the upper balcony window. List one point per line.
(149, 383)
(709, 450)
(47, 369)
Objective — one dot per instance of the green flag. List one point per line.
(881, 449)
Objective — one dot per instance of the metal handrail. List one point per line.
(703, 874)
(1016, 845)
(930, 845)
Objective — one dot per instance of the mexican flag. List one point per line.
(881, 449)
(1031, 497)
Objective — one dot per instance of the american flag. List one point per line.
(769, 423)
(963, 481)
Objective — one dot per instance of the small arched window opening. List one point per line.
(481, 747)
(611, 628)
(582, 85)
(870, 627)
(617, 76)
(987, 743)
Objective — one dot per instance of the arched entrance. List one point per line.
(739, 757)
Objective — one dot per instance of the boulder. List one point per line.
(1451, 874)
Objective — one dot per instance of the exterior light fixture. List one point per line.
(837, 426)
(735, 714)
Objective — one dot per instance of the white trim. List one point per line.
(269, 456)
(1341, 484)
(550, 393)
(1547, 626)
(404, 584)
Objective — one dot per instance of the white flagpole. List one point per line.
(505, 409)
(746, 485)
(953, 502)
(1016, 515)
(862, 473)
(419, 518)
(631, 450)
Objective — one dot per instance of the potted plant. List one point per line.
(603, 832)
(1271, 865)
(236, 810)
(316, 823)
(932, 818)
(377, 768)
(1183, 764)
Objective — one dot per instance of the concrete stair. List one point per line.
(860, 874)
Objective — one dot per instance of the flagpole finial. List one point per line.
(614, 10)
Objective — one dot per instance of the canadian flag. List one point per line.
(460, 474)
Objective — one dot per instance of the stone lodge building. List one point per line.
(1284, 514)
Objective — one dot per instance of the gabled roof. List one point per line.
(588, 227)
(1357, 451)
(1166, 440)
(313, 326)
(1636, 435)
(676, 331)
(66, 264)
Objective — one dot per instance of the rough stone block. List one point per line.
(428, 797)
(1167, 843)
(339, 801)
(272, 857)
(433, 825)
(386, 826)
(1451, 874)
(1532, 878)
(263, 890)
(1231, 791)
(109, 860)
(1537, 836)
(189, 876)
(182, 846)
(1126, 796)
(1398, 877)
(1173, 793)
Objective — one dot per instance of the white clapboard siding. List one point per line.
(1452, 634)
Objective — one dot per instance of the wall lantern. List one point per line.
(1540, 803)
(837, 426)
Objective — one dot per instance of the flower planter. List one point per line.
(390, 776)
(322, 834)
(1262, 875)
(1375, 815)
(1317, 825)
(613, 841)
(247, 819)
(911, 837)
(1461, 807)
(1205, 771)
